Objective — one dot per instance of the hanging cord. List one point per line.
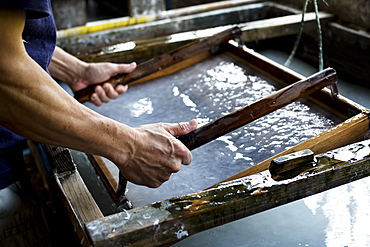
(292, 54)
(319, 33)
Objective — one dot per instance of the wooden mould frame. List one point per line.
(242, 195)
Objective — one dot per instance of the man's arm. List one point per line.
(78, 75)
(36, 107)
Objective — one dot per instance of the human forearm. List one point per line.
(32, 104)
(66, 67)
(35, 106)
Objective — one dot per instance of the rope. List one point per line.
(319, 33)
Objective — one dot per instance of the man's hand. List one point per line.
(99, 72)
(33, 105)
(79, 74)
(155, 153)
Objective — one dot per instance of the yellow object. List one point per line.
(104, 25)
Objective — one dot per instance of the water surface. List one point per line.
(207, 91)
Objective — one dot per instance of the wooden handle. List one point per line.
(274, 101)
(212, 44)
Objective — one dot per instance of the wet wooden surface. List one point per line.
(139, 50)
(171, 220)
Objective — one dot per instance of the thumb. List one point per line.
(126, 68)
(182, 128)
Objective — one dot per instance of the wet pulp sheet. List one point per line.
(207, 91)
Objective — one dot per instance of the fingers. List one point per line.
(157, 154)
(182, 128)
(101, 72)
(187, 158)
(103, 94)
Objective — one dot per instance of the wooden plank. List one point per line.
(252, 31)
(104, 25)
(353, 129)
(78, 196)
(169, 221)
(77, 200)
(78, 44)
(199, 8)
(279, 26)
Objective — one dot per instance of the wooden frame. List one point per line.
(171, 220)
(241, 195)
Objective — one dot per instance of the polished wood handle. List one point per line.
(276, 100)
(211, 44)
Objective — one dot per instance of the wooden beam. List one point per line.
(102, 25)
(76, 44)
(78, 196)
(171, 220)
(148, 48)
(199, 8)
(279, 26)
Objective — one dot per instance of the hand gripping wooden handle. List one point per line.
(211, 44)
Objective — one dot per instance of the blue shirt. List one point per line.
(39, 37)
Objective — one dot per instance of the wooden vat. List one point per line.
(243, 192)
(172, 219)
(266, 25)
(89, 42)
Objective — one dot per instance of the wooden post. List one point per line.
(146, 7)
(68, 186)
